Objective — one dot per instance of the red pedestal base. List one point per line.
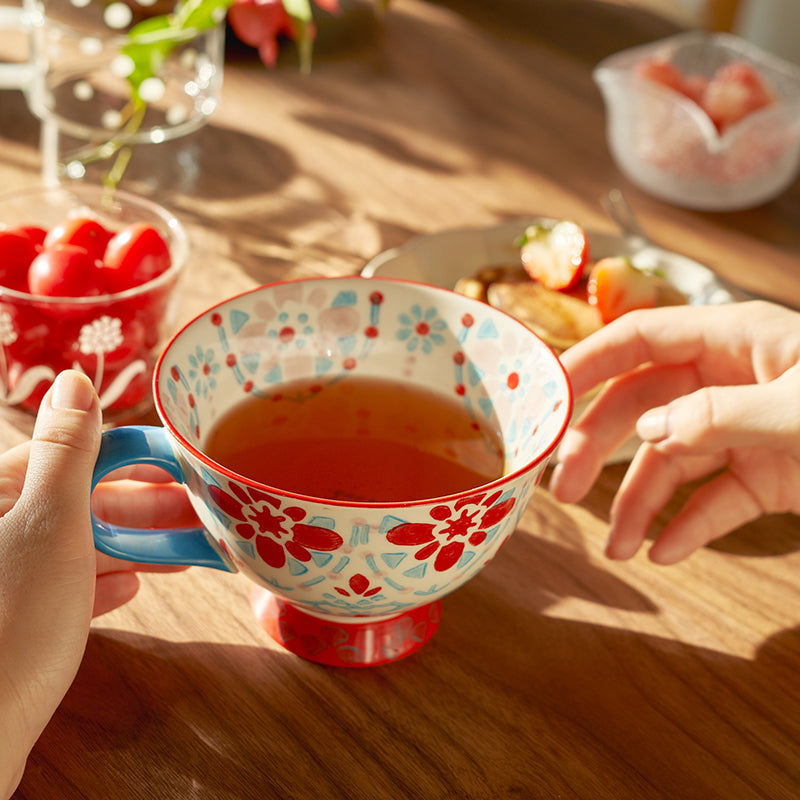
(361, 642)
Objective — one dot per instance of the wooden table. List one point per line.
(554, 673)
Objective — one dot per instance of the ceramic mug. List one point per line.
(343, 583)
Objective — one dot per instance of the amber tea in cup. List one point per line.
(361, 439)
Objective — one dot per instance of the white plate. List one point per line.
(442, 258)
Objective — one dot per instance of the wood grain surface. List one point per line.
(554, 673)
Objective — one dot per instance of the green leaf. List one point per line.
(149, 45)
(202, 14)
(299, 9)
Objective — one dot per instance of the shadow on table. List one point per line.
(504, 701)
(571, 25)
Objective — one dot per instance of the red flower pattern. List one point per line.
(277, 530)
(359, 586)
(445, 539)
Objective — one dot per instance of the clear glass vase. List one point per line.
(113, 78)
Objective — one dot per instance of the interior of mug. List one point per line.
(333, 328)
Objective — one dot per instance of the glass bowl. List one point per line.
(667, 144)
(115, 339)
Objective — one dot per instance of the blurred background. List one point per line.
(771, 24)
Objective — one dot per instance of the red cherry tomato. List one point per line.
(33, 232)
(134, 256)
(81, 231)
(65, 270)
(17, 251)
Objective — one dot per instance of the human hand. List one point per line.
(713, 393)
(51, 579)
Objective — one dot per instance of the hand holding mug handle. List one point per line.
(142, 444)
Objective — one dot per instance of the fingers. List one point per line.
(703, 391)
(733, 343)
(108, 564)
(717, 508)
(608, 423)
(648, 485)
(118, 582)
(714, 509)
(144, 505)
(47, 553)
(63, 450)
(717, 418)
(141, 472)
(669, 410)
(113, 590)
(661, 335)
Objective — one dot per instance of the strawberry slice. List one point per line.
(615, 287)
(660, 70)
(736, 90)
(555, 255)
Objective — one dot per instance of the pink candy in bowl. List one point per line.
(99, 295)
(704, 121)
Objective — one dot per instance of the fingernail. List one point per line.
(653, 425)
(72, 390)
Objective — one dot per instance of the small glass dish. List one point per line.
(666, 143)
(115, 339)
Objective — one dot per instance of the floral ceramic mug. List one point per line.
(342, 582)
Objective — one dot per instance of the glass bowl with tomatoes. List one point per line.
(705, 121)
(88, 281)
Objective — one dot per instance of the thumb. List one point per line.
(49, 574)
(63, 450)
(720, 417)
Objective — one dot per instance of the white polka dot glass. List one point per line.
(100, 93)
(113, 338)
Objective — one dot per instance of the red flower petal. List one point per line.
(441, 512)
(230, 505)
(477, 538)
(472, 500)
(270, 551)
(448, 556)
(426, 551)
(411, 533)
(238, 492)
(295, 513)
(316, 538)
(245, 530)
(359, 584)
(494, 514)
(299, 552)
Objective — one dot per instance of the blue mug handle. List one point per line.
(144, 444)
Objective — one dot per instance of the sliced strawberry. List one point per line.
(695, 86)
(736, 90)
(659, 70)
(556, 255)
(615, 287)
